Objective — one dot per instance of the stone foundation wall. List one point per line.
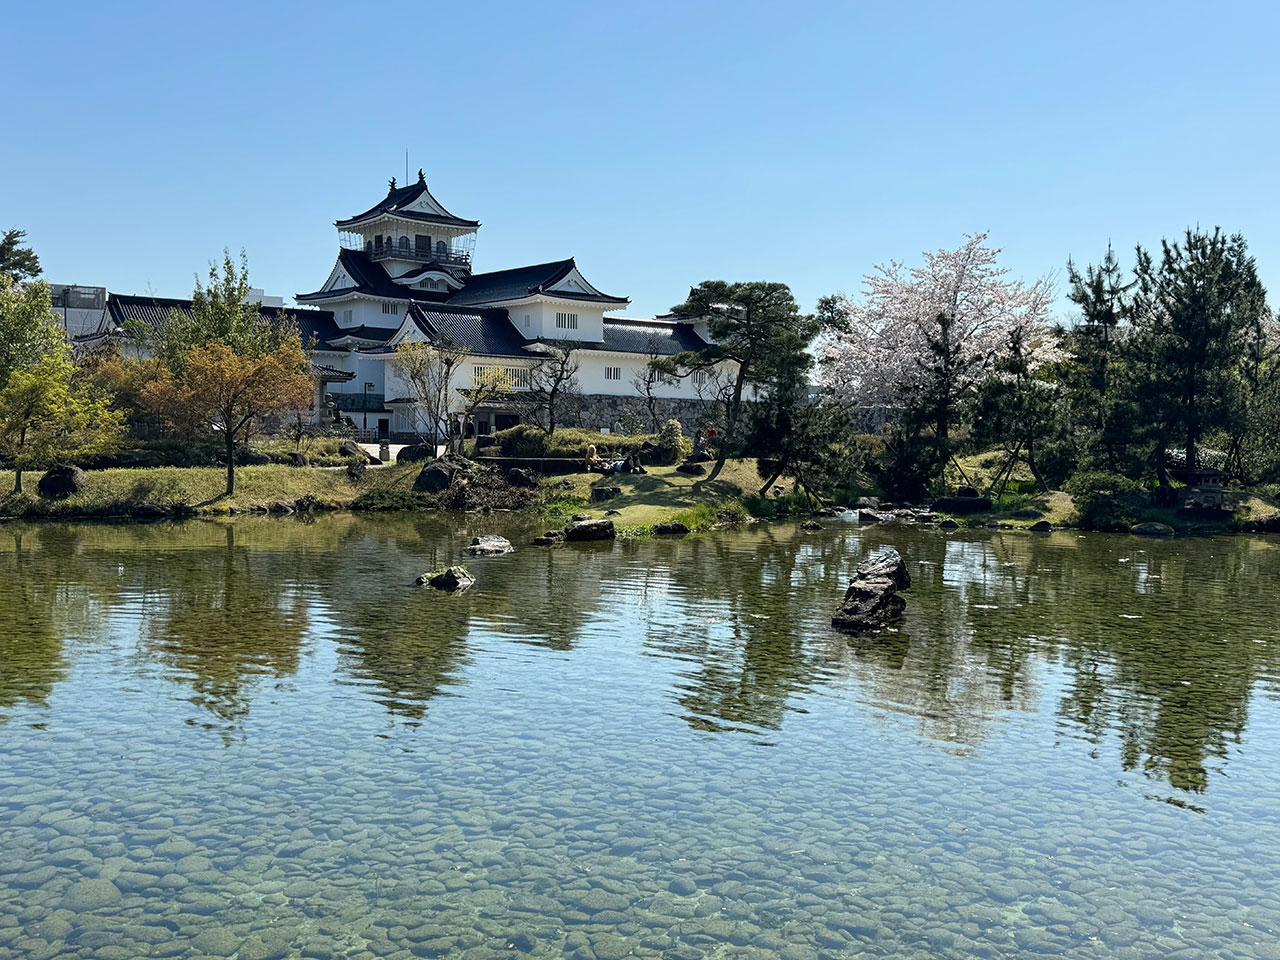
(599, 411)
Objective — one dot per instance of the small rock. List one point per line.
(605, 493)
(488, 547)
(811, 525)
(1153, 530)
(545, 541)
(1042, 526)
(959, 504)
(282, 507)
(90, 895)
(451, 579)
(578, 517)
(948, 525)
(520, 477)
(670, 528)
(356, 470)
(298, 459)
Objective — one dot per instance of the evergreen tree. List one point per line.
(1191, 314)
(18, 262)
(1092, 368)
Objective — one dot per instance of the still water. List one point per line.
(258, 740)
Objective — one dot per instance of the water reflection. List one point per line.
(1151, 651)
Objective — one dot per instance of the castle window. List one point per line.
(613, 373)
(391, 308)
(404, 244)
(526, 319)
(442, 248)
(346, 316)
(421, 244)
(699, 378)
(566, 321)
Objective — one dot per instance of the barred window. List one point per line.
(566, 321)
(391, 308)
(613, 373)
(699, 378)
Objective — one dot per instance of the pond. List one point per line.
(257, 739)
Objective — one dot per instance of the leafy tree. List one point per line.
(226, 393)
(1092, 365)
(648, 379)
(28, 328)
(795, 436)
(50, 413)
(1191, 314)
(221, 311)
(555, 390)
(754, 329)
(919, 342)
(17, 262)
(428, 371)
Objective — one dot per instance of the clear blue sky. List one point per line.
(659, 143)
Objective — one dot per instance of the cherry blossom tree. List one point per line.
(917, 343)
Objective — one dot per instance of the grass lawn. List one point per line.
(656, 495)
(200, 487)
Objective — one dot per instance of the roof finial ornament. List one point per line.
(391, 185)
(422, 178)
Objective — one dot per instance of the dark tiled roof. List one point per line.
(402, 197)
(636, 336)
(366, 332)
(331, 374)
(521, 282)
(483, 332)
(124, 308)
(371, 278)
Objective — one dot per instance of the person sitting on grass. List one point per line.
(597, 464)
(593, 462)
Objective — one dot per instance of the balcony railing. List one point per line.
(451, 258)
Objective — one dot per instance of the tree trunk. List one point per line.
(731, 422)
(231, 462)
(17, 468)
(764, 489)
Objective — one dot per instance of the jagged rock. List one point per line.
(580, 530)
(520, 477)
(416, 453)
(349, 448)
(435, 477)
(356, 470)
(872, 599)
(1042, 526)
(60, 482)
(1152, 530)
(948, 525)
(811, 525)
(297, 458)
(670, 528)
(605, 493)
(691, 468)
(451, 579)
(251, 458)
(488, 547)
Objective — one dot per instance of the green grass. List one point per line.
(114, 492)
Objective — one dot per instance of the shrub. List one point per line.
(529, 440)
(1104, 501)
(670, 441)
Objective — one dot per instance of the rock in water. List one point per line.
(59, 482)
(960, 504)
(488, 547)
(1042, 526)
(451, 579)
(811, 525)
(670, 528)
(581, 530)
(1153, 530)
(888, 566)
(872, 600)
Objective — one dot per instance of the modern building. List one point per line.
(404, 271)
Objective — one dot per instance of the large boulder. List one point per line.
(251, 458)
(520, 477)
(451, 579)
(416, 453)
(435, 477)
(1041, 526)
(580, 530)
(1153, 530)
(872, 600)
(960, 504)
(297, 458)
(488, 547)
(60, 482)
